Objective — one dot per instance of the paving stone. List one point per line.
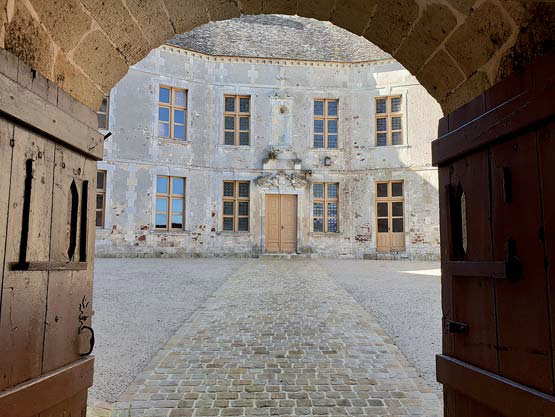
(303, 345)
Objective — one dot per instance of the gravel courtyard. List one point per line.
(140, 303)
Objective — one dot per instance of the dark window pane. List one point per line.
(244, 123)
(243, 224)
(396, 105)
(180, 98)
(228, 224)
(382, 210)
(229, 138)
(382, 189)
(179, 117)
(318, 210)
(164, 130)
(396, 123)
(179, 132)
(102, 121)
(318, 108)
(332, 126)
(398, 226)
(177, 206)
(164, 114)
(397, 189)
(332, 108)
(318, 141)
(161, 221)
(381, 106)
(230, 104)
(162, 185)
(164, 95)
(381, 139)
(318, 225)
(332, 190)
(99, 219)
(229, 208)
(381, 124)
(177, 221)
(397, 209)
(332, 225)
(332, 209)
(178, 186)
(332, 142)
(244, 138)
(318, 190)
(162, 204)
(243, 208)
(100, 175)
(396, 138)
(383, 226)
(245, 105)
(229, 189)
(100, 201)
(244, 189)
(230, 123)
(318, 126)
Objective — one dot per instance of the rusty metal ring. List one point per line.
(91, 340)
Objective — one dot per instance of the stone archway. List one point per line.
(456, 48)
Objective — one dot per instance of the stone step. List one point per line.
(285, 256)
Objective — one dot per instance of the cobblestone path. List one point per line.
(279, 338)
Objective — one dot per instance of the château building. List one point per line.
(268, 134)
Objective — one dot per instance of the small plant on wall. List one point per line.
(273, 153)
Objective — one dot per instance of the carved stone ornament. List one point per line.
(281, 179)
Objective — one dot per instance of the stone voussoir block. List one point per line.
(354, 15)
(440, 87)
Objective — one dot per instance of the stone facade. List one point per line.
(282, 95)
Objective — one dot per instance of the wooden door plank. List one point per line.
(522, 305)
(288, 221)
(272, 223)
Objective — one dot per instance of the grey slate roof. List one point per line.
(279, 36)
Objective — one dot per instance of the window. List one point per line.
(325, 207)
(236, 204)
(102, 114)
(389, 123)
(170, 203)
(237, 120)
(390, 209)
(172, 113)
(100, 198)
(326, 123)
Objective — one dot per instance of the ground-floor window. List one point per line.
(390, 209)
(170, 203)
(100, 198)
(324, 212)
(236, 206)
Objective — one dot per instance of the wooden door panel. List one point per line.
(24, 293)
(288, 216)
(6, 135)
(546, 146)
(523, 326)
(272, 223)
(75, 406)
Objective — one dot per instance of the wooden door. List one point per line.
(496, 183)
(281, 223)
(390, 215)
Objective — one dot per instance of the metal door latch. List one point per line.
(456, 327)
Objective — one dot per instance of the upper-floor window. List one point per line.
(172, 113)
(389, 125)
(237, 120)
(103, 113)
(236, 202)
(326, 123)
(325, 201)
(170, 203)
(100, 198)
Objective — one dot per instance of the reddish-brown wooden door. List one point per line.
(496, 183)
(281, 223)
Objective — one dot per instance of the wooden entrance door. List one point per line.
(281, 223)
(496, 159)
(390, 214)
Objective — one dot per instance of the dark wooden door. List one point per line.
(47, 181)
(496, 159)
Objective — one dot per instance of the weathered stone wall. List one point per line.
(456, 48)
(134, 155)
